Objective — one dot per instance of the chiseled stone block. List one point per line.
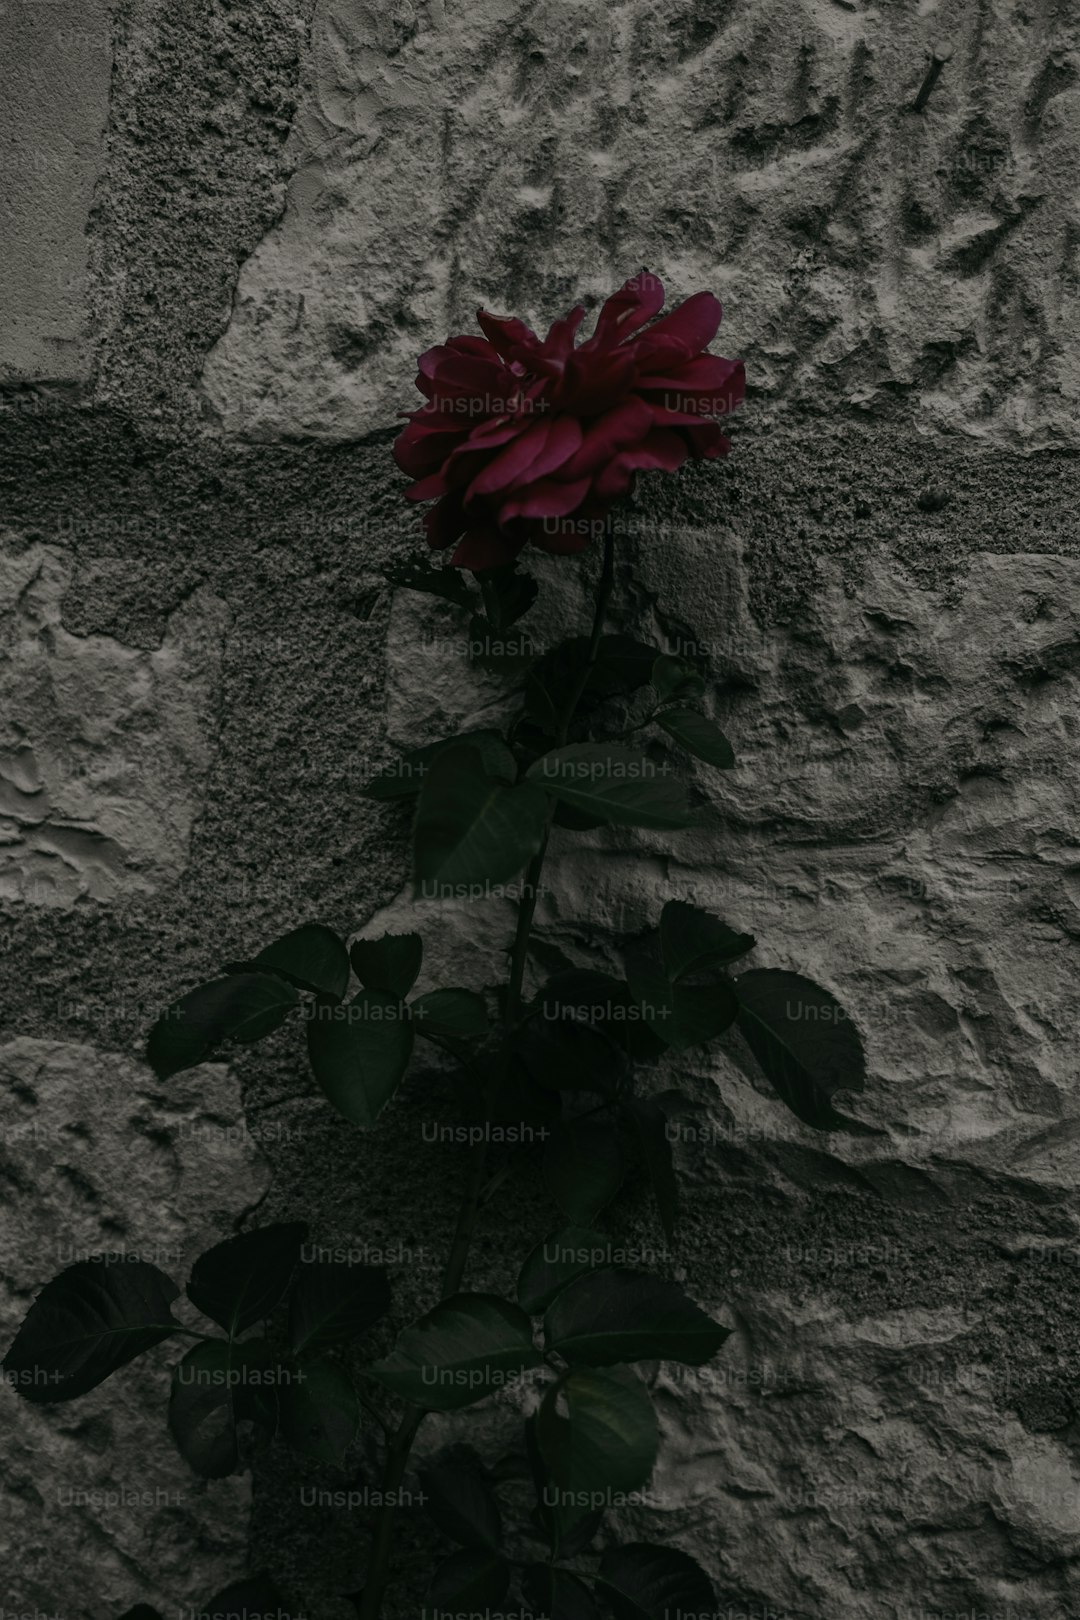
(55, 67)
(102, 747)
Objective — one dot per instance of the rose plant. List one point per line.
(520, 441)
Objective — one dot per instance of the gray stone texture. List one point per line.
(202, 664)
(522, 156)
(100, 1510)
(57, 57)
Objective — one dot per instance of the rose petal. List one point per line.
(495, 431)
(637, 301)
(594, 382)
(548, 498)
(510, 463)
(560, 338)
(542, 447)
(437, 419)
(489, 436)
(699, 375)
(700, 435)
(428, 489)
(662, 451)
(564, 438)
(417, 452)
(657, 353)
(608, 434)
(479, 379)
(694, 323)
(429, 360)
(507, 334)
(469, 343)
(707, 441)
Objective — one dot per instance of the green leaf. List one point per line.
(650, 1125)
(622, 786)
(553, 680)
(622, 665)
(560, 1258)
(691, 939)
(93, 1318)
(455, 1014)
(620, 1315)
(567, 1528)
(462, 1503)
(359, 1051)
(471, 1581)
(334, 1302)
(239, 1282)
(584, 1167)
(558, 1595)
(681, 1015)
(471, 830)
(642, 1582)
(242, 1007)
(408, 774)
(255, 1598)
(576, 820)
(312, 957)
(216, 1386)
(466, 1348)
(698, 735)
(605, 1003)
(566, 1055)
(520, 1101)
(508, 594)
(676, 677)
(320, 1412)
(804, 1041)
(390, 963)
(597, 1434)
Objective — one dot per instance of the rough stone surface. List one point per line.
(292, 200)
(52, 119)
(902, 827)
(104, 748)
(871, 259)
(96, 1157)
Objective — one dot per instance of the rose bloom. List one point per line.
(526, 441)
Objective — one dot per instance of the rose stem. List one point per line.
(400, 1443)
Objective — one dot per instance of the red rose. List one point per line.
(527, 442)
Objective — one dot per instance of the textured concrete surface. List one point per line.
(52, 122)
(204, 664)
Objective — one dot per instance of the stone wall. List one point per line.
(231, 229)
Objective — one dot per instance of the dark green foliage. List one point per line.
(241, 1007)
(804, 1041)
(93, 1318)
(239, 1282)
(468, 1347)
(359, 1050)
